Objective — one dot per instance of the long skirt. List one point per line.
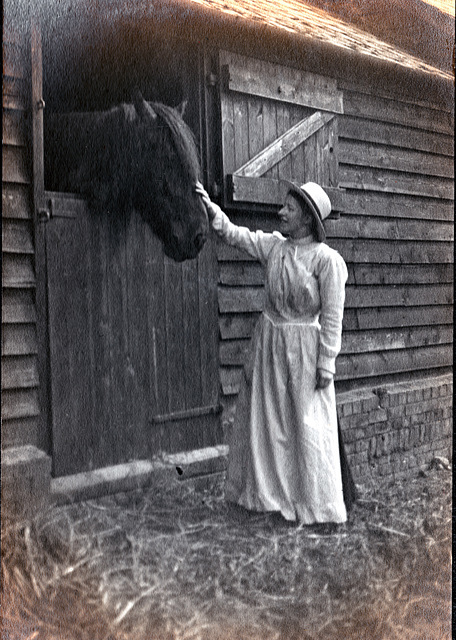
(284, 446)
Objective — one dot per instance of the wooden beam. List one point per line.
(411, 115)
(391, 182)
(397, 135)
(394, 159)
(283, 145)
(277, 82)
(270, 191)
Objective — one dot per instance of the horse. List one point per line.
(140, 156)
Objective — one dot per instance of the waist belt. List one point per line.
(301, 322)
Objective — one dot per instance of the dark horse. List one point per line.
(136, 156)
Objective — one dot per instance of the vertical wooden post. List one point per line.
(37, 108)
(40, 216)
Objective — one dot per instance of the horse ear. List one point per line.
(142, 107)
(181, 108)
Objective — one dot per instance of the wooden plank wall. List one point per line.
(396, 235)
(19, 343)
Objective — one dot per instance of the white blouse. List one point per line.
(305, 281)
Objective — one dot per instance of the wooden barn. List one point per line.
(113, 353)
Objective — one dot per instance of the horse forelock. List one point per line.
(183, 139)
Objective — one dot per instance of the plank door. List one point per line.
(133, 366)
(277, 123)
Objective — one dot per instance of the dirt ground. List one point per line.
(178, 563)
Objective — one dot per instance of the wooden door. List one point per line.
(277, 123)
(133, 363)
(128, 339)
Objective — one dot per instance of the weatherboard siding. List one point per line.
(395, 233)
(20, 407)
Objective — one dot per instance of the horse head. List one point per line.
(166, 176)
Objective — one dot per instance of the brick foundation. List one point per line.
(397, 428)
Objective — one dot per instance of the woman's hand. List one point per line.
(211, 207)
(324, 379)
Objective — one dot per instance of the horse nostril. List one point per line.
(200, 239)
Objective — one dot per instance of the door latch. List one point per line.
(45, 212)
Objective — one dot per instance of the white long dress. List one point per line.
(284, 449)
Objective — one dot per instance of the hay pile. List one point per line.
(173, 563)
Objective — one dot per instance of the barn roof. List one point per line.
(301, 19)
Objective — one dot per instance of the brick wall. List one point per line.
(397, 428)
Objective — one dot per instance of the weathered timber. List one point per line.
(18, 271)
(383, 228)
(398, 112)
(19, 403)
(13, 132)
(17, 237)
(251, 299)
(376, 364)
(271, 191)
(234, 352)
(361, 129)
(269, 80)
(16, 202)
(387, 339)
(386, 296)
(240, 299)
(14, 167)
(398, 252)
(14, 60)
(371, 251)
(376, 203)
(378, 318)
(395, 159)
(395, 182)
(242, 274)
(19, 431)
(18, 340)
(19, 372)
(252, 273)
(283, 145)
(373, 274)
(18, 306)
(234, 326)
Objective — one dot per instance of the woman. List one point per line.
(284, 450)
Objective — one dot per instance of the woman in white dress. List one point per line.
(284, 451)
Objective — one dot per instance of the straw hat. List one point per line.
(318, 201)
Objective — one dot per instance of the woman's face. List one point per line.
(296, 219)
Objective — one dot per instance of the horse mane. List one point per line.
(183, 138)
